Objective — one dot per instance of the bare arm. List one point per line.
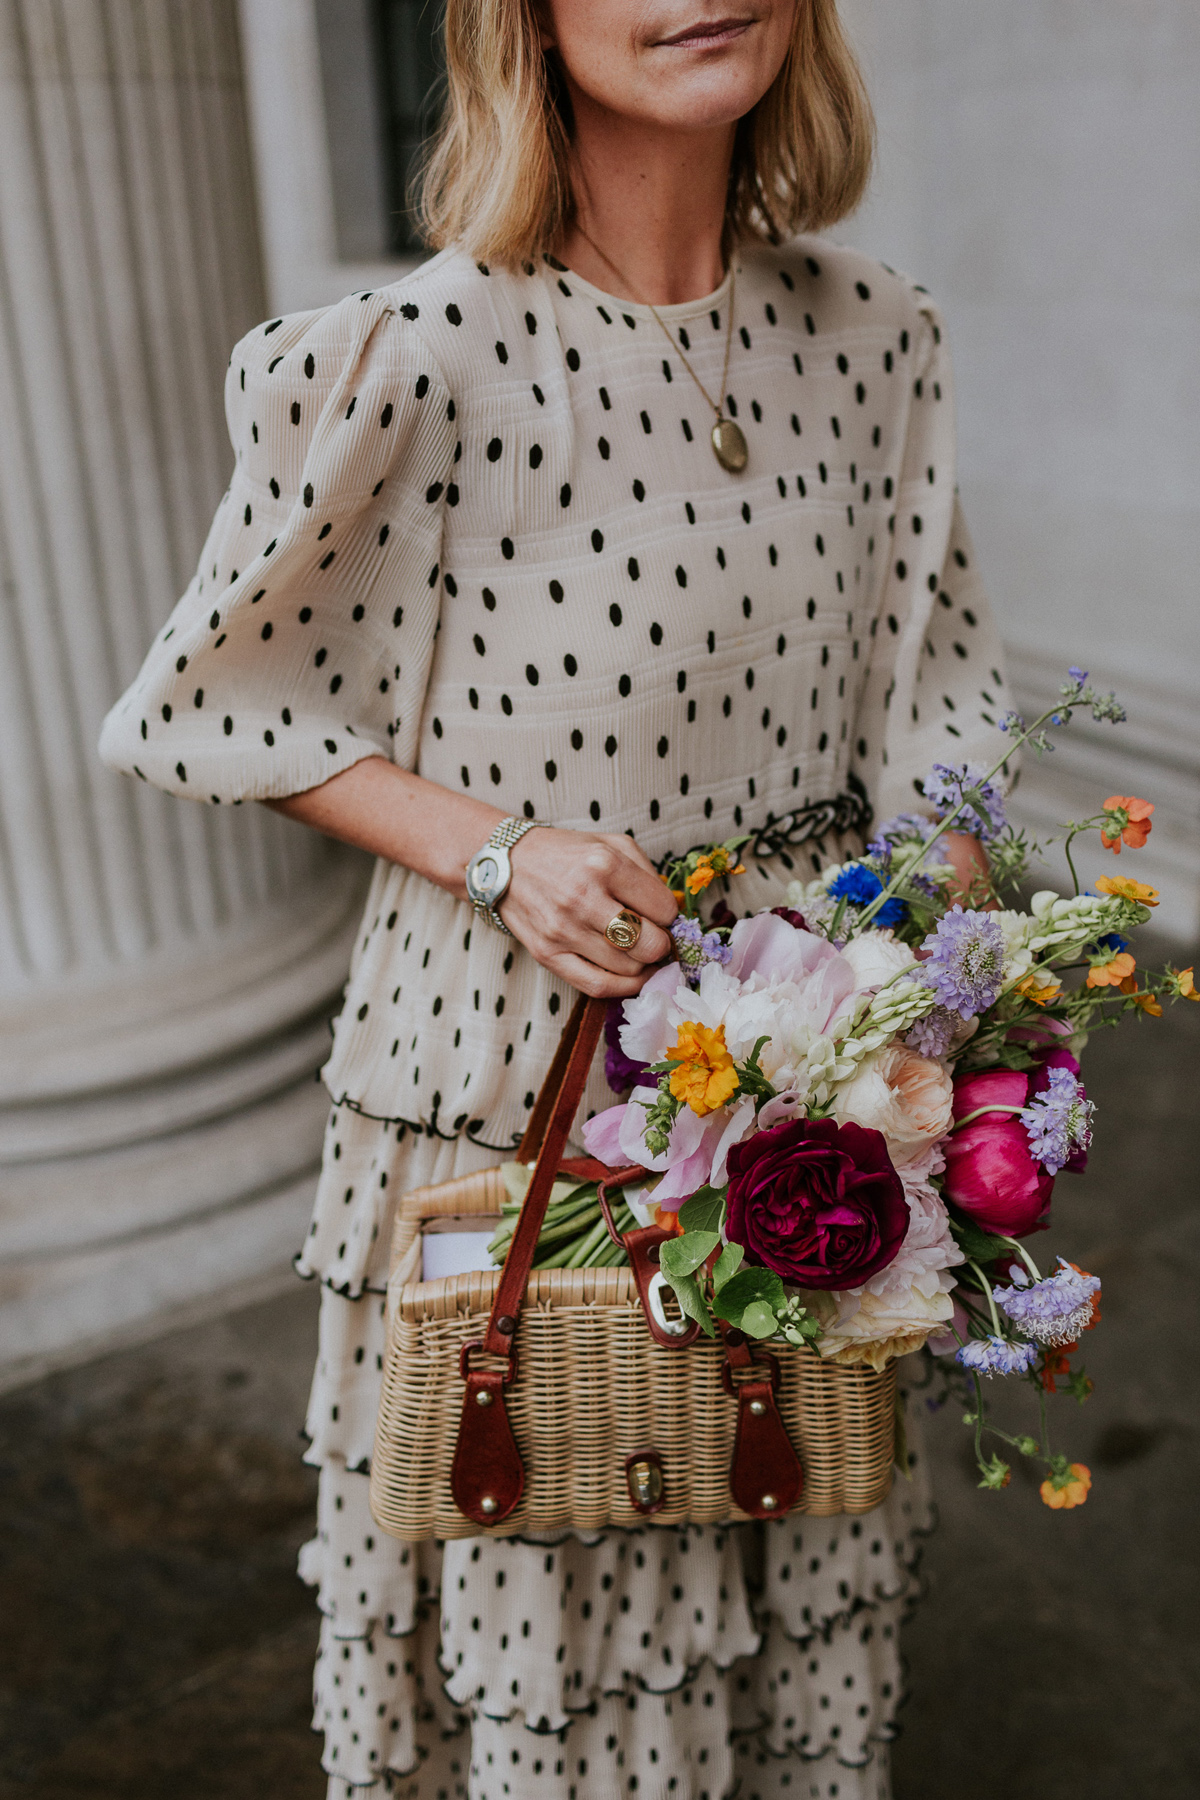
(566, 885)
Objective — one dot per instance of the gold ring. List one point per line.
(624, 931)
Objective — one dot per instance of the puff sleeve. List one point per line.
(935, 684)
(304, 641)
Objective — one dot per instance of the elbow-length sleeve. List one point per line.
(935, 684)
(304, 641)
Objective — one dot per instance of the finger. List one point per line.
(653, 945)
(551, 932)
(597, 983)
(644, 893)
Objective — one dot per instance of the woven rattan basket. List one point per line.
(594, 1390)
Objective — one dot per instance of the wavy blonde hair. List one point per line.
(496, 177)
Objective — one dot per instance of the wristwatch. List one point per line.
(490, 870)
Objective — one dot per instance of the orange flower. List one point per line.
(1126, 889)
(1068, 1489)
(1054, 1363)
(1125, 820)
(700, 876)
(1145, 1002)
(1184, 983)
(1113, 973)
(706, 1077)
(1040, 986)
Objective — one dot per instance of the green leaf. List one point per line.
(705, 1211)
(682, 1255)
(979, 1245)
(692, 1302)
(727, 1265)
(744, 1289)
(758, 1320)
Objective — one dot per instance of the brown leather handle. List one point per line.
(487, 1478)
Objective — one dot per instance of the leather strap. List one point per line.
(765, 1476)
(487, 1477)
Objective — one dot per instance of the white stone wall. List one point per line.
(1040, 173)
(166, 970)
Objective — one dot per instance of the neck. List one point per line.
(653, 201)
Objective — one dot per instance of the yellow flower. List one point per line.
(1127, 889)
(1184, 983)
(1069, 1489)
(1040, 986)
(706, 1077)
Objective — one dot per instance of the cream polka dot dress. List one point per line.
(476, 526)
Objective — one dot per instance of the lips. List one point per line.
(706, 32)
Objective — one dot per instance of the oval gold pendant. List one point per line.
(729, 446)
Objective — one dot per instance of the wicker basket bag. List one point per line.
(524, 1400)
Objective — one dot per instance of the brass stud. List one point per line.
(487, 1504)
(484, 1397)
(758, 1408)
(769, 1503)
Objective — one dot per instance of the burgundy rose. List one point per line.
(620, 1071)
(817, 1202)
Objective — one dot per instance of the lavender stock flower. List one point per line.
(933, 1035)
(996, 1356)
(1058, 1120)
(1054, 1310)
(965, 966)
(694, 947)
(983, 815)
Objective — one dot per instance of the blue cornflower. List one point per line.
(1112, 940)
(996, 1356)
(1058, 1120)
(858, 886)
(944, 789)
(695, 947)
(965, 966)
(1054, 1310)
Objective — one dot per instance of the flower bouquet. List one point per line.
(854, 1107)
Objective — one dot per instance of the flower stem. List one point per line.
(987, 1288)
(1025, 1257)
(947, 823)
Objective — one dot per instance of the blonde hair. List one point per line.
(497, 178)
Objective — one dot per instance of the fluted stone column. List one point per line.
(166, 970)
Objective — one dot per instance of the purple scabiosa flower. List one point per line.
(965, 964)
(695, 947)
(620, 1071)
(858, 885)
(933, 1035)
(944, 789)
(1054, 1310)
(1059, 1120)
(996, 1356)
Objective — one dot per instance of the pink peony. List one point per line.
(991, 1173)
(817, 1202)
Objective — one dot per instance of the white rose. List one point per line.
(904, 1095)
(875, 957)
(872, 1328)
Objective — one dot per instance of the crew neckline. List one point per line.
(682, 309)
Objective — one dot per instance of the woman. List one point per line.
(622, 516)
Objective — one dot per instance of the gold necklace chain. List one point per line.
(728, 440)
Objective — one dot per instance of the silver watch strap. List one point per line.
(508, 833)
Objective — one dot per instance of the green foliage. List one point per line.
(684, 1255)
(705, 1211)
(756, 1289)
(979, 1245)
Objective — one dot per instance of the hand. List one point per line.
(566, 887)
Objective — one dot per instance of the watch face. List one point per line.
(488, 875)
